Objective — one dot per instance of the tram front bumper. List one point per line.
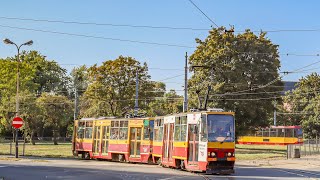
(220, 167)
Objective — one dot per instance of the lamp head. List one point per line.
(29, 43)
(7, 41)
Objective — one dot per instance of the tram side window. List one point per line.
(80, 132)
(265, 133)
(151, 125)
(114, 130)
(158, 129)
(289, 133)
(119, 130)
(298, 133)
(183, 128)
(146, 129)
(281, 132)
(203, 131)
(177, 130)
(123, 130)
(161, 129)
(273, 133)
(259, 133)
(88, 130)
(180, 128)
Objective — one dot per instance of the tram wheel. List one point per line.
(121, 158)
(150, 161)
(182, 165)
(86, 155)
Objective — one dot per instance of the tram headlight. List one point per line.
(213, 154)
(229, 154)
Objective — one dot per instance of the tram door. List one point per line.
(168, 141)
(135, 141)
(96, 140)
(193, 143)
(165, 141)
(105, 139)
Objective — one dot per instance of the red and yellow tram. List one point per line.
(196, 141)
(127, 140)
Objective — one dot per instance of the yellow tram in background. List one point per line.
(274, 135)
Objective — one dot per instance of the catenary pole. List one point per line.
(185, 102)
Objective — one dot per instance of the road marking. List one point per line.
(174, 177)
(289, 172)
(301, 171)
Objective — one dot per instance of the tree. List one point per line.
(111, 89)
(79, 85)
(238, 67)
(8, 81)
(49, 76)
(32, 115)
(57, 112)
(170, 103)
(305, 106)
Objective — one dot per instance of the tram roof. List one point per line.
(197, 112)
(113, 118)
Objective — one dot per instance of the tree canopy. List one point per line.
(241, 69)
(303, 103)
(111, 90)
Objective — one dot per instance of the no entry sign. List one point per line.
(17, 122)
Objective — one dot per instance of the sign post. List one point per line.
(17, 123)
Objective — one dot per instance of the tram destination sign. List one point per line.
(17, 122)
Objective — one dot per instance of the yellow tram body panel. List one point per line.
(219, 145)
(269, 140)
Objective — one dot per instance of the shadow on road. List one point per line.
(92, 170)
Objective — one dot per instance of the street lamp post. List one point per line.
(29, 43)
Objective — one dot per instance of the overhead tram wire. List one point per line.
(271, 82)
(148, 26)
(203, 13)
(105, 24)
(134, 41)
(98, 37)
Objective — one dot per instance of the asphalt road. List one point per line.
(53, 169)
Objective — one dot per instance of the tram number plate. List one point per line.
(265, 140)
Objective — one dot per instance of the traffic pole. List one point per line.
(185, 102)
(17, 144)
(17, 102)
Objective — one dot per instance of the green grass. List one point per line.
(258, 152)
(243, 152)
(40, 149)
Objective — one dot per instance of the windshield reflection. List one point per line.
(220, 128)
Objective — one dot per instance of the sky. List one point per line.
(166, 63)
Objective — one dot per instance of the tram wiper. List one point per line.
(228, 135)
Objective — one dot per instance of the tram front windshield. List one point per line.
(220, 128)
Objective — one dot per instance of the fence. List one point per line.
(308, 148)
